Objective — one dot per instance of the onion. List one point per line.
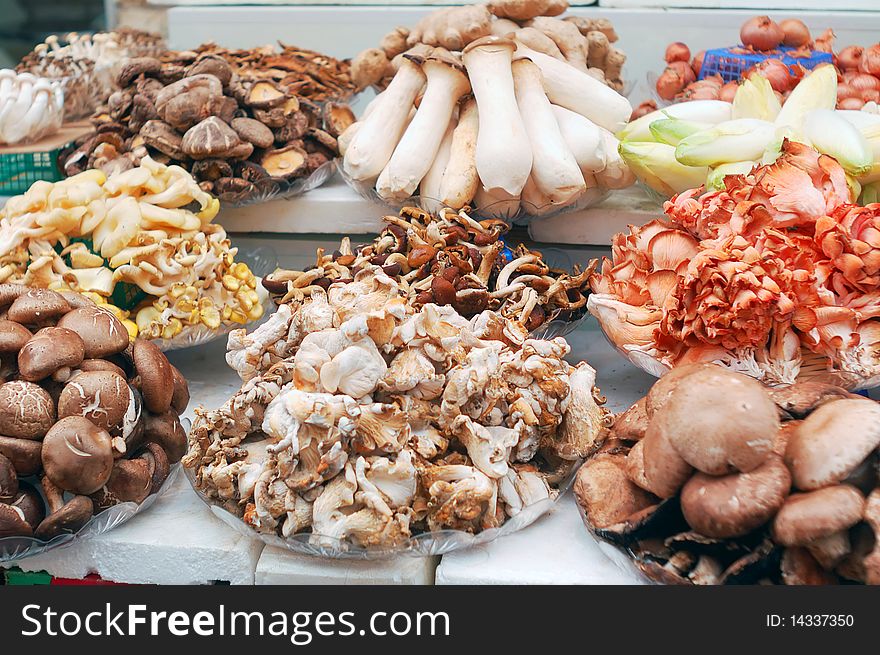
(850, 57)
(713, 80)
(845, 91)
(643, 109)
(796, 33)
(670, 83)
(761, 33)
(777, 74)
(870, 95)
(825, 41)
(677, 51)
(871, 60)
(697, 63)
(684, 69)
(863, 82)
(699, 92)
(728, 92)
(851, 103)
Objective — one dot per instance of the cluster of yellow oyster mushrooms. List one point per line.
(140, 242)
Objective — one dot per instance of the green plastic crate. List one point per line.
(18, 171)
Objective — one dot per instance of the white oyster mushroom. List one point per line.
(293, 408)
(381, 427)
(338, 494)
(583, 418)
(411, 371)
(299, 518)
(488, 447)
(397, 481)
(355, 371)
(522, 487)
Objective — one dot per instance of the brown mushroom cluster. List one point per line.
(241, 138)
(449, 258)
(713, 478)
(86, 416)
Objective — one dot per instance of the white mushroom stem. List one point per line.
(373, 145)
(429, 189)
(504, 155)
(344, 140)
(554, 169)
(413, 156)
(460, 179)
(584, 138)
(573, 89)
(497, 203)
(616, 174)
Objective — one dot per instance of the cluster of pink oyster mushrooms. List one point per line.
(776, 276)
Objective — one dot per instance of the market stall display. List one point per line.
(86, 65)
(713, 478)
(773, 276)
(86, 414)
(451, 259)
(140, 243)
(30, 107)
(367, 426)
(701, 142)
(503, 127)
(585, 43)
(243, 139)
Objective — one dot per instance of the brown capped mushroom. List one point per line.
(23, 453)
(77, 455)
(813, 515)
(102, 333)
(100, 365)
(285, 162)
(26, 410)
(165, 430)
(733, 505)
(211, 65)
(253, 131)
(211, 169)
(660, 391)
(19, 517)
(632, 423)
(214, 138)
(48, 351)
(8, 480)
(265, 95)
(103, 397)
(719, 422)
(605, 493)
(37, 307)
(64, 517)
(799, 567)
(833, 441)
(802, 397)
(13, 336)
(338, 117)
(130, 481)
(156, 377)
(664, 470)
(180, 397)
(164, 138)
(137, 66)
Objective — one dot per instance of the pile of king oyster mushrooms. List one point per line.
(487, 114)
(242, 138)
(713, 478)
(87, 416)
(364, 421)
(449, 258)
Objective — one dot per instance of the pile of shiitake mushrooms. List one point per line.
(713, 478)
(505, 125)
(86, 416)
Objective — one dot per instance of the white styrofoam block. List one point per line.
(280, 566)
(557, 549)
(178, 541)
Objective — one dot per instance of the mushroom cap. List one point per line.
(160, 467)
(102, 333)
(165, 429)
(733, 505)
(102, 397)
(100, 365)
(491, 41)
(130, 481)
(50, 349)
(8, 480)
(802, 397)
(154, 370)
(68, 519)
(13, 336)
(660, 391)
(23, 453)
(180, 397)
(664, 469)
(812, 515)
(13, 523)
(632, 423)
(26, 410)
(833, 441)
(19, 517)
(253, 131)
(605, 494)
(719, 421)
(799, 567)
(77, 455)
(37, 306)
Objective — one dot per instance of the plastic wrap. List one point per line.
(276, 189)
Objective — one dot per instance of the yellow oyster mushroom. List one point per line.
(119, 228)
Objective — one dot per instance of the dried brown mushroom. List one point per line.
(284, 163)
(212, 138)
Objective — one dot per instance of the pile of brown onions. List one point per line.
(762, 34)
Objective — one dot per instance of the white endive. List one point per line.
(737, 140)
(833, 135)
(672, 130)
(655, 165)
(704, 111)
(755, 98)
(715, 179)
(818, 90)
(870, 194)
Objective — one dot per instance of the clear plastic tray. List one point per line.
(281, 190)
(420, 545)
(16, 548)
(520, 215)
